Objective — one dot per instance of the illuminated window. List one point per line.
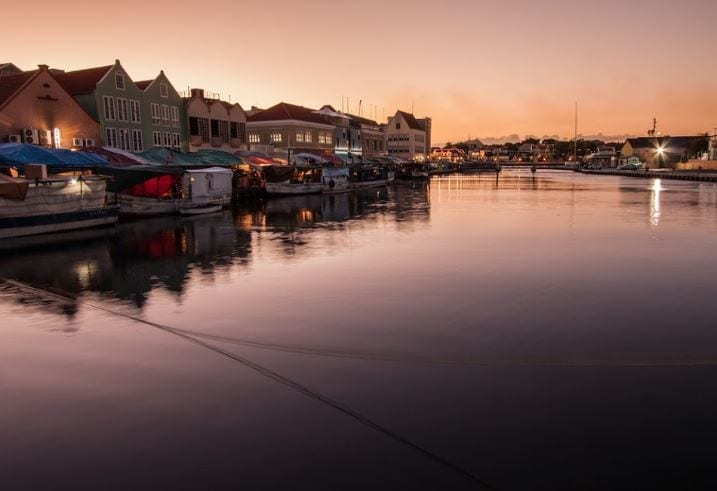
(299, 137)
(254, 137)
(124, 139)
(307, 137)
(276, 136)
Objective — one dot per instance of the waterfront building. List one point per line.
(448, 154)
(347, 133)
(287, 126)
(9, 69)
(660, 151)
(371, 136)
(214, 123)
(163, 117)
(118, 105)
(407, 137)
(36, 109)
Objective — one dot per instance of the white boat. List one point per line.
(148, 190)
(291, 179)
(200, 210)
(38, 206)
(334, 180)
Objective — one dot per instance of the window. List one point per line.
(299, 137)
(275, 136)
(163, 90)
(111, 137)
(242, 132)
(398, 125)
(224, 131)
(137, 144)
(134, 111)
(204, 129)
(325, 138)
(157, 138)
(193, 126)
(214, 124)
(155, 114)
(307, 136)
(254, 137)
(124, 139)
(167, 139)
(165, 115)
(234, 129)
(109, 105)
(176, 141)
(119, 80)
(122, 110)
(175, 116)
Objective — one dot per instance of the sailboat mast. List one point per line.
(575, 139)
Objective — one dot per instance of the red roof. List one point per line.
(82, 81)
(284, 111)
(9, 84)
(143, 84)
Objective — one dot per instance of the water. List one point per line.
(554, 332)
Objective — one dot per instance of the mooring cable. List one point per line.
(277, 377)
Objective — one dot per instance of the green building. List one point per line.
(132, 116)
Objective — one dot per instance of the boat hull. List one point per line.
(58, 222)
(368, 184)
(139, 205)
(284, 188)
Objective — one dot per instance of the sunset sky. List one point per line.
(484, 68)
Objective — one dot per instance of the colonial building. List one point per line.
(213, 123)
(408, 137)
(36, 109)
(372, 138)
(287, 126)
(126, 122)
(347, 133)
(164, 122)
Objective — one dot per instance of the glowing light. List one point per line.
(57, 138)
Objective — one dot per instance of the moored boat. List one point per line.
(334, 179)
(368, 176)
(56, 204)
(151, 190)
(291, 179)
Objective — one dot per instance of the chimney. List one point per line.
(43, 67)
(197, 93)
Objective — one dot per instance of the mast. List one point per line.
(575, 140)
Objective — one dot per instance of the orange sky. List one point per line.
(484, 68)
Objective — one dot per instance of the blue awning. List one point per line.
(19, 154)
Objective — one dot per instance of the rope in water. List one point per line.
(275, 376)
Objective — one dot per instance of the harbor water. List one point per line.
(554, 331)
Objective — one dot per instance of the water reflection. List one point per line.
(129, 261)
(655, 202)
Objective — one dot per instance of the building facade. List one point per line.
(130, 118)
(164, 122)
(213, 123)
(9, 69)
(371, 134)
(36, 109)
(660, 151)
(406, 137)
(290, 127)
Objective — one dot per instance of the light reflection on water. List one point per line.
(544, 322)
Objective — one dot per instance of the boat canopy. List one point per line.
(116, 156)
(19, 154)
(126, 178)
(219, 157)
(165, 156)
